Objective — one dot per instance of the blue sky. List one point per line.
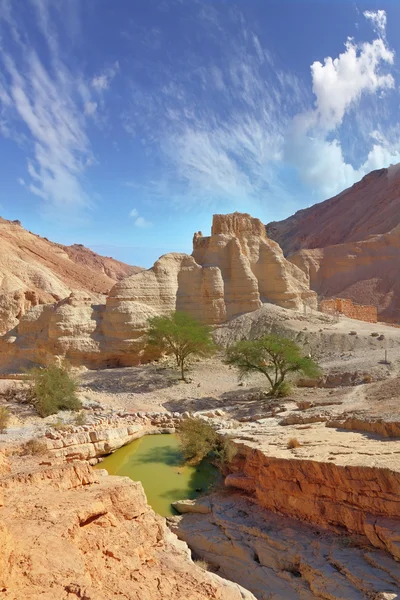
(125, 125)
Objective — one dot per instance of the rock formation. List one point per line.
(35, 271)
(68, 533)
(233, 271)
(349, 246)
(364, 272)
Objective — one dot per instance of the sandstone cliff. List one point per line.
(369, 207)
(67, 533)
(233, 271)
(35, 271)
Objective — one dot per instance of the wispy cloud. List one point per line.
(51, 101)
(219, 122)
(229, 122)
(139, 221)
(102, 81)
(48, 104)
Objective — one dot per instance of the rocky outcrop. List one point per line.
(35, 271)
(277, 557)
(106, 434)
(359, 499)
(235, 270)
(67, 533)
(364, 272)
(349, 245)
(369, 207)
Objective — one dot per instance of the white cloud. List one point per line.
(103, 81)
(90, 108)
(313, 143)
(378, 20)
(48, 101)
(140, 222)
(339, 83)
(21, 181)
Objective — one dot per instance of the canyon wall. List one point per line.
(235, 270)
(68, 532)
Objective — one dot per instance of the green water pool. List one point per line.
(157, 462)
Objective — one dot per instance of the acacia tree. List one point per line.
(273, 356)
(181, 335)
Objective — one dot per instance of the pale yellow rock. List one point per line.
(234, 271)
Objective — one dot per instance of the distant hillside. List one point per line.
(349, 245)
(369, 207)
(34, 270)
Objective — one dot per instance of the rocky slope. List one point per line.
(369, 207)
(68, 533)
(349, 246)
(35, 271)
(235, 270)
(365, 272)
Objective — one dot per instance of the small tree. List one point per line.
(273, 356)
(181, 335)
(53, 389)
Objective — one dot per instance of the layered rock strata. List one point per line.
(278, 557)
(106, 435)
(35, 271)
(67, 533)
(233, 271)
(364, 272)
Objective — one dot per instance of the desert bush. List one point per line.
(273, 356)
(34, 447)
(293, 443)
(284, 390)
(80, 418)
(199, 439)
(53, 389)
(4, 418)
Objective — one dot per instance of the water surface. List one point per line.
(157, 462)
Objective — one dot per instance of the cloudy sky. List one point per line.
(125, 125)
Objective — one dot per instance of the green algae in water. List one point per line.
(157, 462)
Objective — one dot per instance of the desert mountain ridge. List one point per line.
(34, 270)
(369, 207)
(349, 245)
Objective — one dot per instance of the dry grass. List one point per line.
(34, 447)
(4, 418)
(293, 443)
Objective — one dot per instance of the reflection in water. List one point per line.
(157, 462)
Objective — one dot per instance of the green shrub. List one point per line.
(199, 439)
(4, 418)
(53, 390)
(284, 390)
